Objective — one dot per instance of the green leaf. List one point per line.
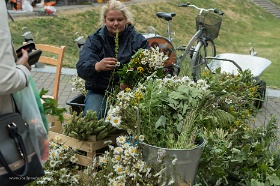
(161, 122)
(256, 183)
(273, 179)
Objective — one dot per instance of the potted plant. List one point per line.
(170, 113)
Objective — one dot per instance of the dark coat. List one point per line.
(100, 45)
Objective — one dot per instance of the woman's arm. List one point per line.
(87, 59)
(12, 77)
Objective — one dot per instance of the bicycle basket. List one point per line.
(211, 22)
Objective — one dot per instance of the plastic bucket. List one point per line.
(77, 103)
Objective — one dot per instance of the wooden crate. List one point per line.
(89, 147)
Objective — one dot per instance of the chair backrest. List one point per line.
(48, 57)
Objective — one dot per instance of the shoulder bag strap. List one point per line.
(13, 131)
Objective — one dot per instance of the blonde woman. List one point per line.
(99, 56)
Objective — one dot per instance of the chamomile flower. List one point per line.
(118, 150)
(115, 121)
(53, 163)
(74, 159)
(102, 160)
(121, 139)
(141, 138)
(118, 168)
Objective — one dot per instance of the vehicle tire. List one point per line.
(199, 61)
(261, 92)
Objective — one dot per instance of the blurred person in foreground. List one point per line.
(106, 50)
(14, 76)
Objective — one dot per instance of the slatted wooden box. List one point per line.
(88, 148)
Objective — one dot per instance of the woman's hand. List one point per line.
(24, 59)
(108, 63)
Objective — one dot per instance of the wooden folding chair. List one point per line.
(48, 57)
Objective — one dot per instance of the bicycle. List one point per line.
(208, 25)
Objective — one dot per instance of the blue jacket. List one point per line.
(100, 45)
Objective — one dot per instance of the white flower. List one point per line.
(141, 138)
(74, 159)
(115, 121)
(117, 158)
(102, 160)
(192, 84)
(53, 163)
(132, 151)
(118, 150)
(201, 83)
(121, 139)
(228, 101)
(120, 95)
(108, 118)
(118, 168)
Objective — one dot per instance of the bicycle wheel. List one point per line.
(261, 92)
(199, 62)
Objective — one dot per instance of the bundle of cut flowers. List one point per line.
(60, 167)
(123, 165)
(169, 112)
(78, 85)
(142, 64)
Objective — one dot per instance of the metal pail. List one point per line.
(186, 165)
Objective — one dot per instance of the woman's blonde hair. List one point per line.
(118, 6)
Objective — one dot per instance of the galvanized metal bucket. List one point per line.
(186, 165)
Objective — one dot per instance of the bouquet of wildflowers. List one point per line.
(142, 64)
(166, 111)
(172, 112)
(124, 165)
(78, 85)
(60, 167)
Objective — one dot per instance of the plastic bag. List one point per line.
(50, 10)
(27, 105)
(26, 6)
(39, 103)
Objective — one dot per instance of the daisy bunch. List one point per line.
(61, 166)
(123, 165)
(142, 64)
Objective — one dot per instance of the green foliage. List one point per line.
(242, 157)
(51, 106)
(170, 112)
(82, 127)
(142, 64)
(60, 168)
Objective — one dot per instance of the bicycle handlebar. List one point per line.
(215, 10)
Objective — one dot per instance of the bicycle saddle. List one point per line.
(166, 15)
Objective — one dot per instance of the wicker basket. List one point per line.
(212, 24)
